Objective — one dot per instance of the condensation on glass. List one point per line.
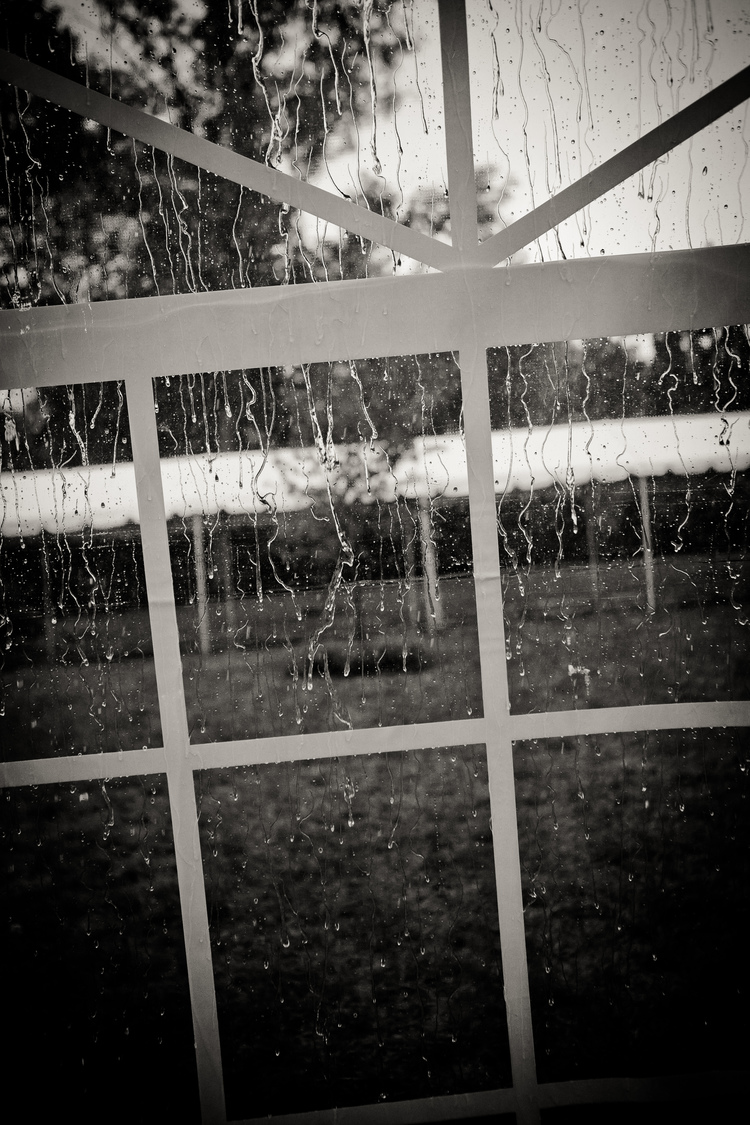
(96, 992)
(557, 89)
(76, 666)
(354, 930)
(324, 93)
(320, 546)
(621, 472)
(634, 853)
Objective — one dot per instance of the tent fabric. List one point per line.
(285, 480)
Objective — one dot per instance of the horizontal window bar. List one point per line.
(330, 744)
(606, 720)
(157, 336)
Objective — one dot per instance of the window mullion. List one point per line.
(650, 716)
(462, 191)
(175, 335)
(496, 712)
(168, 665)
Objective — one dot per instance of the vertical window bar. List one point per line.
(495, 694)
(163, 617)
(462, 192)
(474, 385)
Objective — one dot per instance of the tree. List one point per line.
(92, 215)
(685, 372)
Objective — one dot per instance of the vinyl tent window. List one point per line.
(431, 747)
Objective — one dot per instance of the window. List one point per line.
(374, 560)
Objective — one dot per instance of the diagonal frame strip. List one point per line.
(221, 161)
(608, 175)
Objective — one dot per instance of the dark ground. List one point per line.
(362, 957)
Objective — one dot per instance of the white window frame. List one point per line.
(465, 308)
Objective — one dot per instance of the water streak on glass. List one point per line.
(354, 930)
(341, 96)
(557, 89)
(622, 488)
(320, 546)
(76, 664)
(98, 992)
(634, 852)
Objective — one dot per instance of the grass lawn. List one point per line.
(354, 922)
(352, 902)
(636, 864)
(380, 662)
(576, 639)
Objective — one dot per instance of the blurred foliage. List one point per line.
(88, 214)
(62, 427)
(678, 372)
(387, 402)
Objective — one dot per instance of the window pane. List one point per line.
(335, 95)
(557, 89)
(97, 995)
(354, 927)
(634, 852)
(320, 546)
(161, 226)
(621, 473)
(76, 668)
